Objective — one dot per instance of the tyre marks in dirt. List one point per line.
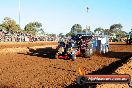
(121, 54)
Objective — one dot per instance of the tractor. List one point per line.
(67, 49)
(91, 44)
(86, 49)
(82, 44)
(78, 45)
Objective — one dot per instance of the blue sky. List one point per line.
(59, 15)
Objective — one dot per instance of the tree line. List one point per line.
(115, 29)
(10, 25)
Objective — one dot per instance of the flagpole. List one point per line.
(20, 19)
(19, 13)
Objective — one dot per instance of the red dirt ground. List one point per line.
(19, 70)
(125, 69)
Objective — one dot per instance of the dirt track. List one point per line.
(125, 69)
(20, 70)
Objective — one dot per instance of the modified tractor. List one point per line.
(82, 44)
(68, 48)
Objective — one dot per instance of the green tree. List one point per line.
(122, 34)
(99, 30)
(40, 32)
(53, 35)
(107, 32)
(61, 34)
(10, 25)
(76, 28)
(69, 34)
(2, 27)
(86, 29)
(116, 28)
(33, 27)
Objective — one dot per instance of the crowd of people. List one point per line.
(6, 36)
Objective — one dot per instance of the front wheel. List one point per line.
(73, 57)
